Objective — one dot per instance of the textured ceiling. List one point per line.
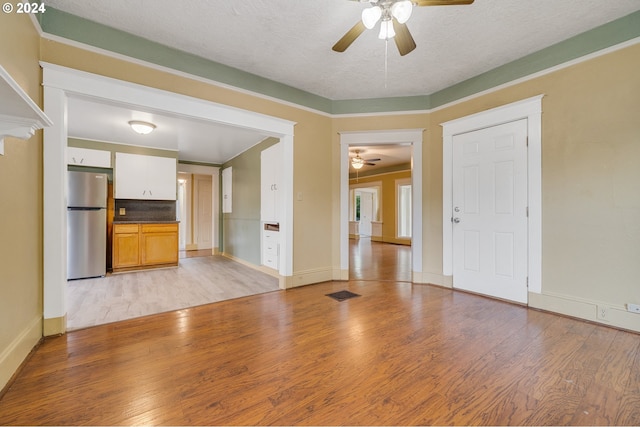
(290, 41)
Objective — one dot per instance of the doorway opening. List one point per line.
(378, 244)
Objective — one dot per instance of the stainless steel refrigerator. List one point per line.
(86, 225)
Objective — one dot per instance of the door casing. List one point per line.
(530, 109)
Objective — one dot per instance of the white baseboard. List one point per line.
(308, 277)
(616, 316)
(432, 278)
(12, 357)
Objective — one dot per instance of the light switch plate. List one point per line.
(122, 211)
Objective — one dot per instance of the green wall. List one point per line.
(241, 227)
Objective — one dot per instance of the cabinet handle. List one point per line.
(150, 193)
(81, 160)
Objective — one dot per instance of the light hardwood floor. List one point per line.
(399, 354)
(197, 280)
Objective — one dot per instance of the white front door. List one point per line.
(490, 211)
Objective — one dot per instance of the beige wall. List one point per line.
(387, 203)
(21, 208)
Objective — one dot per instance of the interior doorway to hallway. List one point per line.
(370, 260)
(378, 139)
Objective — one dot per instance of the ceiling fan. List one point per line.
(358, 162)
(392, 14)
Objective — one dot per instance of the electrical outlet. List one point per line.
(122, 211)
(603, 312)
(634, 308)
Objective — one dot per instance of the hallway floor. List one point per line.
(379, 261)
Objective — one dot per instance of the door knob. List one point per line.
(456, 220)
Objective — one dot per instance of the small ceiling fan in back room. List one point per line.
(393, 15)
(358, 162)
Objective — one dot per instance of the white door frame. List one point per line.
(530, 109)
(59, 82)
(382, 137)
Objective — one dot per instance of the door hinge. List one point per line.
(527, 211)
(527, 141)
(527, 282)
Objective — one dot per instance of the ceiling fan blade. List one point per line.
(372, 160)
(370, 164)
(349, 37)
(404, 41)
(442, 2)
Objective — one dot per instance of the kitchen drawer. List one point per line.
(271, 262)
(270, 250)
(125, 228)
(159, 228)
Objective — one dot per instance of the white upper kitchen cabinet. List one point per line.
(145, 177)
(88, 157)
(270, 168)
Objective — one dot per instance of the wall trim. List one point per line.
(616, 316)
(12, 357)
(54, 326)
(428, 278)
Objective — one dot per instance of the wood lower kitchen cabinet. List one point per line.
(159, 244)
(126, 246)
(146, 245)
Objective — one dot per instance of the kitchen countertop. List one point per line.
(144, 222)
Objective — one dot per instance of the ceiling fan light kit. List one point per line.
(358, 162)
(370, 16)
(393, 15)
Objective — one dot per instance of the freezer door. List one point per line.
(87, 190)
(86, 243)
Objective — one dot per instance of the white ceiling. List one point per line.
(290, 41)
(195, 140)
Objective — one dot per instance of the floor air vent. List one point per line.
(342, 295)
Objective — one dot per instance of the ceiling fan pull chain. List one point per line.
(386, 51)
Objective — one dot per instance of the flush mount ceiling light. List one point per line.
(141, 127)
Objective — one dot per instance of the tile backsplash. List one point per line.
(144, 210)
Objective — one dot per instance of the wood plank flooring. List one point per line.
(379, 261)
(400, 354)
